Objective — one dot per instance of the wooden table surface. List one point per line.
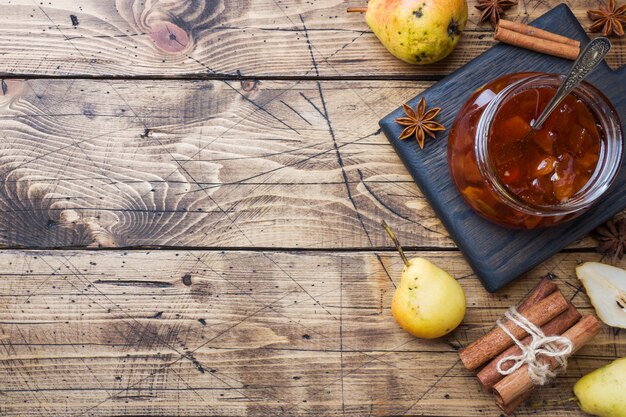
(190, 205)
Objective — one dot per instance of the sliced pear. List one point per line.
(606, 288)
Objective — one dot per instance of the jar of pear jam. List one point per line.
(548, 176)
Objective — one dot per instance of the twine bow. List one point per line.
(557, 347)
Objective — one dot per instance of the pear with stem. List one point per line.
(428, 302)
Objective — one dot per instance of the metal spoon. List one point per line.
(587, 61)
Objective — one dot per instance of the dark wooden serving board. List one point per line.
(499, 255)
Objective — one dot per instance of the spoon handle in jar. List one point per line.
(587, 61)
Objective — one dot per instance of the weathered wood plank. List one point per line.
(206, 164)
(202, 163)
(246, 333)
(219, 38)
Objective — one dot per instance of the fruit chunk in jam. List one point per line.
(550, 165)
(544, 169)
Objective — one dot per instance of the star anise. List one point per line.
(493, 9)
(611, 237)
(609, 19)
(419, 122)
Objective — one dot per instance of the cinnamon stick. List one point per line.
(536, 44)
(536, 32)
(497, 340)
(545, 287)
(509, 408)
(518, 384)
(489, 375)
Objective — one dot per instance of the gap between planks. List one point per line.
(225, 77)
(367, 249)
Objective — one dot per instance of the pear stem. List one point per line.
(552, 403)
(356, 9)
(396, 242)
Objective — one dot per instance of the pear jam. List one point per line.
(516, 176)
(549, 165)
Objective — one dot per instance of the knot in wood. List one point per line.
(169, 37)
(10, 90)
(249, 85)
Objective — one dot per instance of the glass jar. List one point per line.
(523, 179)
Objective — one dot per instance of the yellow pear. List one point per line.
(428, 302)
(603, 391)
(417, 31)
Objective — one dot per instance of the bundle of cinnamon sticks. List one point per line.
(545, 307)
(538, 40)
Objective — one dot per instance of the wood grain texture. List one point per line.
(246, 38)
(254, 159)
(247, 333)
(205, 163)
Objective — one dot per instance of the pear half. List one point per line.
(606, 288)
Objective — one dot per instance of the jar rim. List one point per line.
(611, 150)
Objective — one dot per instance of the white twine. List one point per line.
(557, 347)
